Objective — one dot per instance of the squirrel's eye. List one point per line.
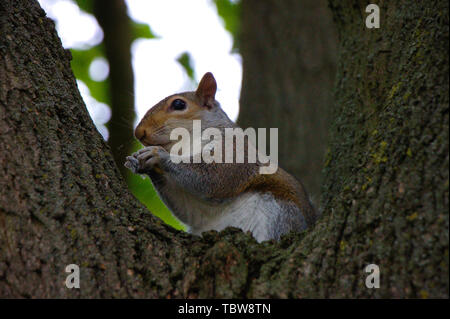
(178, 105)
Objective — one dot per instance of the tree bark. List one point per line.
(62, 200)
(289, 60)
(112, 17)
(386, 174)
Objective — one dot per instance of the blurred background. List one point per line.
(274, 62)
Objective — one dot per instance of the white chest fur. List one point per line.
(250, 212)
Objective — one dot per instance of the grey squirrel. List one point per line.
(213, 196)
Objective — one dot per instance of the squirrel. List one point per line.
(213, 196)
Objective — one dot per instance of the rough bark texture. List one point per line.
(289, 59)
(386, 175)
(62, 200)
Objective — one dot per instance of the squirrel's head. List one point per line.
(179, 110)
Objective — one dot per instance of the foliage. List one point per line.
(141, 188)
(229, 11)
(81, 60)
(186, 62)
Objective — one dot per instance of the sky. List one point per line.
(181, 26)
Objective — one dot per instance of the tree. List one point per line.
(385, 193)
(117, 90)
(289, 61)
(113, 18)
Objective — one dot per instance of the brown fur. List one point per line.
(224, 180)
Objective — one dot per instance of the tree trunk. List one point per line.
(62, 200)
(386, 175)
(289, 59)
(112, 17)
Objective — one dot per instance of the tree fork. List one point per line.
(385, 200)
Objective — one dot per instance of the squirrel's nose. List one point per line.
(139, 133)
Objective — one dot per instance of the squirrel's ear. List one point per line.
(207, 88)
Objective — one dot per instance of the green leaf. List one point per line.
(230, 11)
(141, 30)
(186, 62)
(144, 191)
(86, 5)
(81, 61)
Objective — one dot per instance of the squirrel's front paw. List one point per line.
(132, 164)
(146, 159)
